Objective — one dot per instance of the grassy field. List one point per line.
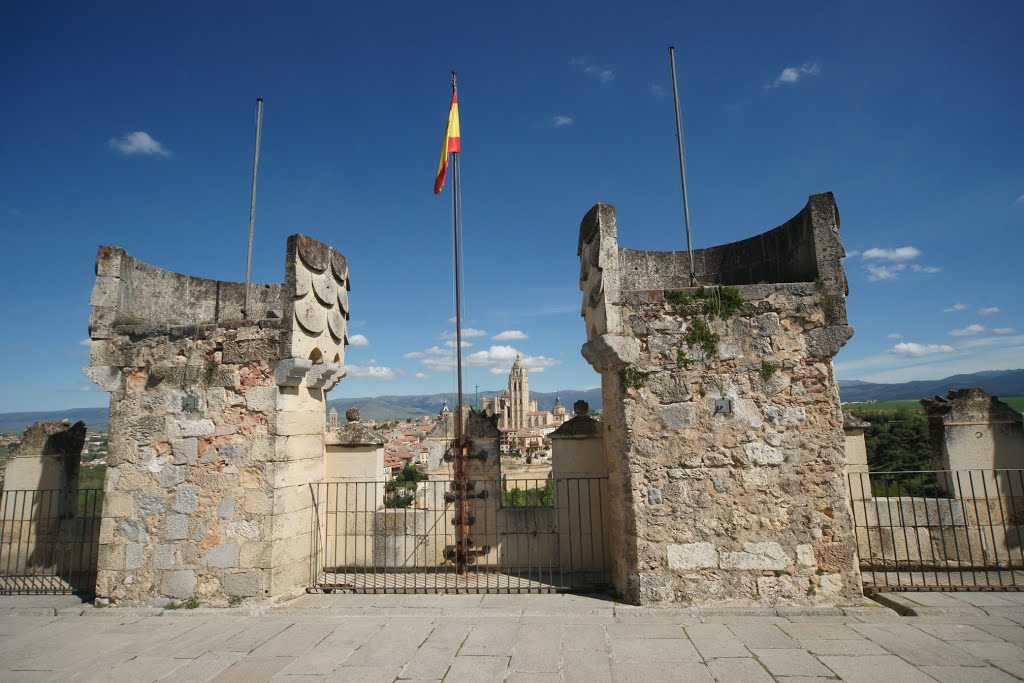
(1015, 402)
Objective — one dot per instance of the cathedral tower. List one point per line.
(518, 396)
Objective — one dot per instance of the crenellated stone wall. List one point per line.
(216, 424)
(724, 435)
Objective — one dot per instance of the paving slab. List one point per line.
(395, 642)
(434, 657)
(967, 674)
(763, 636)
(203, 668)
(537, 648)
(477, 669)
(586, 667)
(585, 637)
(637, 672)
(739, 670)
(916, 646)
(490, 638)
(873, 669)
(252, 670)
(662, 650)
(365, 674)
(791, 663)
(716, 640)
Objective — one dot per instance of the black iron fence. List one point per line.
(524, 536)
(940, 529)
(49, 540)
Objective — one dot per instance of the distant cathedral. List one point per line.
(521, 424)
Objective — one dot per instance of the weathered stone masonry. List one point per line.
(216, 424)
(711, 503)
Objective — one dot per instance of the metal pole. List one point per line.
(252, 202)
(461, 508)
(682, 163)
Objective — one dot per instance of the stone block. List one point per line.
(232, 451)
(242, 584)
(761, 454)
(223, 556)
(202, 427)
(766, 325)
(226, 376)
(730, 349)
(238, 352)
(171, 475)
(178, 584)
(176, 527)
(261, 399)
(186, 498)
(111, 557)
(678, 415)
(255, 554)
(785, 416)
(163, 556)
(185, 451)
(149, 504)
(116, 504)
(653, 495)
(257, 503)
(134, 530)
(134, 557)
(766, 555)
(226, 509)
(692, 556)
(805, 555)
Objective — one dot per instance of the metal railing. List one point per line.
(939, 529)
(49, 540)
(526, 536)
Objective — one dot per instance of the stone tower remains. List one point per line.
(216, 424)
(723, 429)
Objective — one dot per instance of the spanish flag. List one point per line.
(451, 143)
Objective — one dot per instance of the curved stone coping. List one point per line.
(142, 293)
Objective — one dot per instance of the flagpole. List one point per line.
(462, 509)
(682, 163)
(252, 203)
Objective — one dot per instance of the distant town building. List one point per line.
(523, 427)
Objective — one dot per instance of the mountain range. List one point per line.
(390, 407)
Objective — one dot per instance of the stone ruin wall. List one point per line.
(740, 508)
(216, 424)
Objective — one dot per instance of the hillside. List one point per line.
(995, 382)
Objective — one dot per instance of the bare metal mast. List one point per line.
(252, 204)
(682, 164)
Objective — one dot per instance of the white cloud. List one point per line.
(657, 90)
(559, 121)
(915, 350)
(925, 269)
(853, 253)
(358, 340)
(988, 311)
(421, 375)
(792, 74)
(413, 354)
(467, 333)
(451, 343)
(877, 273)
(1003, 330)
(1020, 200)
(894, 335)
(968, 331)
(85, 342)
(370, 372)
(509, 335)
(601, 73)
(897, 254)
(138, 142)
(955, 307)
(497, 358)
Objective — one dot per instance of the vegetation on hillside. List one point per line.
(400, 492)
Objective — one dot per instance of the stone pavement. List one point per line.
(514, 638)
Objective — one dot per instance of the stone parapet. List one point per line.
(723, 428)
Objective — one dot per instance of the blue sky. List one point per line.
(909, 112)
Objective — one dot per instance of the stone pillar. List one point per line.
(971, 430)
(723, 427)
(856, 456)
(579, 473)
(40, 490)
(216, 424)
